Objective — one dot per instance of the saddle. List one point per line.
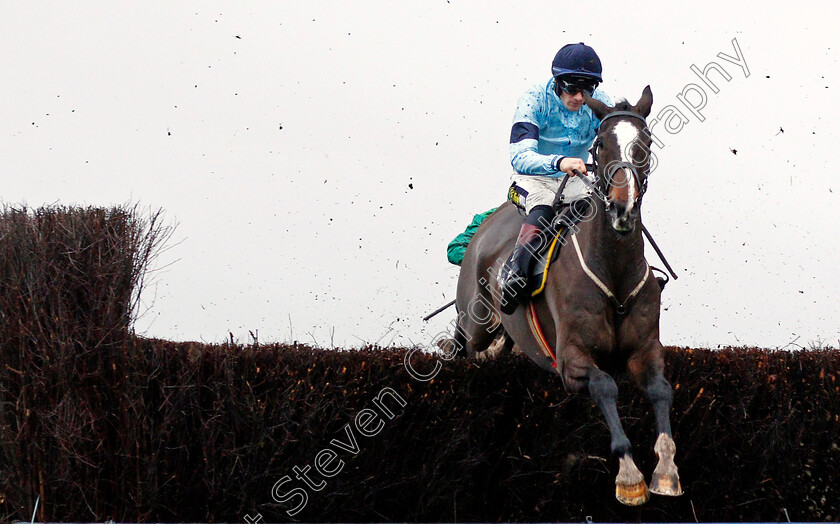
(566, 217)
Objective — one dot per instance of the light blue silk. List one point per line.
(561, 132)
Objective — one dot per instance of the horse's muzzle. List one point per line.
(623, 218)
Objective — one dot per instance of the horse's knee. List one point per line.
(575, 378)
(602, 388)
(659, 389)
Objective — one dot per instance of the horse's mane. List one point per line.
(623, 105)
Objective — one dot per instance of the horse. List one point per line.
(600, 304)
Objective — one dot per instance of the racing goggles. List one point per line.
(575, 84)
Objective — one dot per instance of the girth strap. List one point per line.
(536, 330)
(620, 307)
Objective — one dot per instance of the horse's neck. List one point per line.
(620, 259)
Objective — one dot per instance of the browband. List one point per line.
(624, 113)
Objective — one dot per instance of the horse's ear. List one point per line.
(599, 108)
(643, 105)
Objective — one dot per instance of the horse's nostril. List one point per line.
(624, 212)
(622, 225)
(620, 209)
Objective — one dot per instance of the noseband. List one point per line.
(604, 183)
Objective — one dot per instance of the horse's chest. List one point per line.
(590, 324)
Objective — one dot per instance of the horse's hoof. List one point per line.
(665, 479)
(633, 495)
(668, 485)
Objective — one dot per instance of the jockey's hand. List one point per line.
(569, 164)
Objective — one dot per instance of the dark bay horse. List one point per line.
(600, 306)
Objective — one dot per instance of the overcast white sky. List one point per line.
(319, 156)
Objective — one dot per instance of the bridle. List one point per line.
(600, 189)
(602, 184)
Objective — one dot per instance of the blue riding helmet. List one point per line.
(579, 60)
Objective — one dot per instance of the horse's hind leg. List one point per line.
(507, 347)
(501, 345)
(647, 373)
(630, 487)
(477, 326)
(473, 338)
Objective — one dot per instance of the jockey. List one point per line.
(551, 135)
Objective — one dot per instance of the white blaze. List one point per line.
(625, 135)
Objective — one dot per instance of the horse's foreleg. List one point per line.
(645, 369)
(666, 479)
(630, 487)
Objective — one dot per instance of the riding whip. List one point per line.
(438, 310)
